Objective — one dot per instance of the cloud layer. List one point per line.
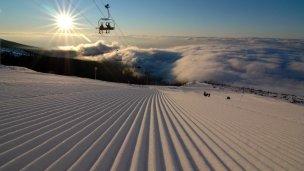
(95, 49)
(273, 64)
(270, 64)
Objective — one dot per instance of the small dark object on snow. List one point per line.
(228, 98)
(206, 94)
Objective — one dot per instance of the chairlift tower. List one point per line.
(95, 71)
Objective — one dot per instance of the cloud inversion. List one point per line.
(273, 64)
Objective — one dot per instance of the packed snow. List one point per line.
(51, 122)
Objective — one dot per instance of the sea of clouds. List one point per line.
(269, 64)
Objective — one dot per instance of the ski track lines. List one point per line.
(261, 149)
(140, 128)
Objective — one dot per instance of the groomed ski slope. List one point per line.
(50, 122)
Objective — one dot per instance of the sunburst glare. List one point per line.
(65, 22)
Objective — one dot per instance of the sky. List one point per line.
(198, 18)
(178, 40)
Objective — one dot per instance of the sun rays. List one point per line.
(65, 23)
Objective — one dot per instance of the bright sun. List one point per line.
(65, 22)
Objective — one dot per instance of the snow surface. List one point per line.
(50, 122)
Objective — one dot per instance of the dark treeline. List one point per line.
(106, 70)
(64, 63)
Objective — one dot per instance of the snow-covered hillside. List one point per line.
(58, 123)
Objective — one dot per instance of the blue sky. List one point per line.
(280, 18)
(223, 18)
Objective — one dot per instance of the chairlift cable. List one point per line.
(84, 15)
(110, 16)
(117, 26)
(81, 14)
(98, 8)
(95, 3)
